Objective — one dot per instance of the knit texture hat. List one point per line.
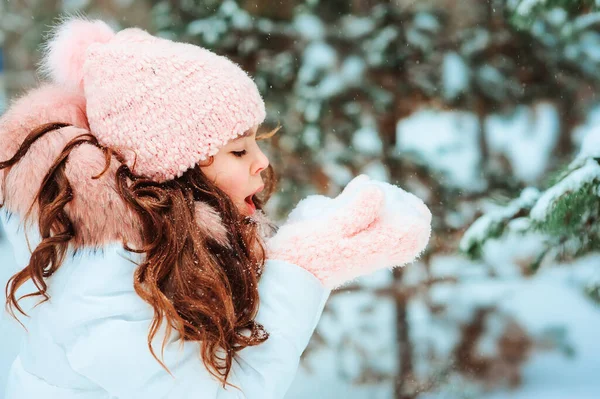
(162, 105)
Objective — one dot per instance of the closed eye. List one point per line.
(239, 154)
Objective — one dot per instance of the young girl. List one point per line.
(132, 187)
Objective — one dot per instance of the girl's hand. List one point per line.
(371, 225)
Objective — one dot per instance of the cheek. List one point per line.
(229, 179)
(232, 184)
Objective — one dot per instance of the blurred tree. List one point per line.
(567, 210)
(566, 213)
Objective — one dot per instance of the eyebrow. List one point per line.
(247, 133)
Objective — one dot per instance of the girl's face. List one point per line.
(236, 169)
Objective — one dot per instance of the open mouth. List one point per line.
(250, 202)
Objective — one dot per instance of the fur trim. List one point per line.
(97, 212)
(266, 227)
(210, 223)
(45, 104)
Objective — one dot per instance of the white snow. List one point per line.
(352, 70)
(375, 46)
(585, 21)
(355, 27)
(312, 110)
(553, 299)
(588, 126)
(590, 45)
(309, 26)
(339, 174)
(548, 301)
(491, 76)
(588, 173)
(524, 7)
(557, 16)
(526, 138)
(228, 7)
(240, 18)
(445, 141)
(508, 264)
(455, 75)
(590, 144)
(322, 75)
(318, 56)
(310, 136)
(366, 139)
(376, 170)
(480, 228)
(330, 85)
(209, 28)
(426, 21)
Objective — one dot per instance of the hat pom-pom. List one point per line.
(65, 51)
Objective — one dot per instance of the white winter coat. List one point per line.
(89, 341)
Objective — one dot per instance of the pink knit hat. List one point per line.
(162, 105)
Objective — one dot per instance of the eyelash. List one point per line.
(239, 154)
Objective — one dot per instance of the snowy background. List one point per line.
(488, 111)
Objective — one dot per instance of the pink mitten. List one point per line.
(371, 225)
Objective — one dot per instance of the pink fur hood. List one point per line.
(99, 215)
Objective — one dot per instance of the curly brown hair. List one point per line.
(203, 288)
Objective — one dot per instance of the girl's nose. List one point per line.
(261, 163)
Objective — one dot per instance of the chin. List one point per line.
(245, 210)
